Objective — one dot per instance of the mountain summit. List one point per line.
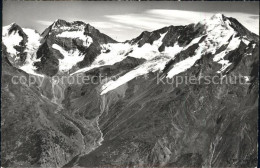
(67, 47)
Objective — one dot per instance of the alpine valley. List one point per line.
(133, 117)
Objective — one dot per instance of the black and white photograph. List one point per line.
(129, 84)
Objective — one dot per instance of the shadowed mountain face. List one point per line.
(137, 104)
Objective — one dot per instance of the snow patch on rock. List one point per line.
(188, 62)
(118, 51)
(70, 59)
(77, 34)
(31, 47)
(219, 58)
(110, 54)
(154, 65)
(11, 40)
(218, 32)
(147, 51)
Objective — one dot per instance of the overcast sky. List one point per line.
(126, 20)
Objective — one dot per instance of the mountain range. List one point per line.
(131, 117)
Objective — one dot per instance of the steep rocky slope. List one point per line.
(36, 130)
(149, 122)
(129, 108)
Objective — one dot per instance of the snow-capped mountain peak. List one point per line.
(60, 24)
(218, 16)
(209, 36)
(21, 46)
(11, 38)
(78, 47)
(72, 45)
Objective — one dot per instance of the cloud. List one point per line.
(118, 31)
(44, 22)
(109, 25)
(138, 21)
(126, 26)
(255, 17)
(157, 18)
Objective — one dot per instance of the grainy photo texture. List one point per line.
(129, 84)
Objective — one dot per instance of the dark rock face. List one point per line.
(241, 29)
(181, 34)
(49, 63)
(149, 121)
(91, 53)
